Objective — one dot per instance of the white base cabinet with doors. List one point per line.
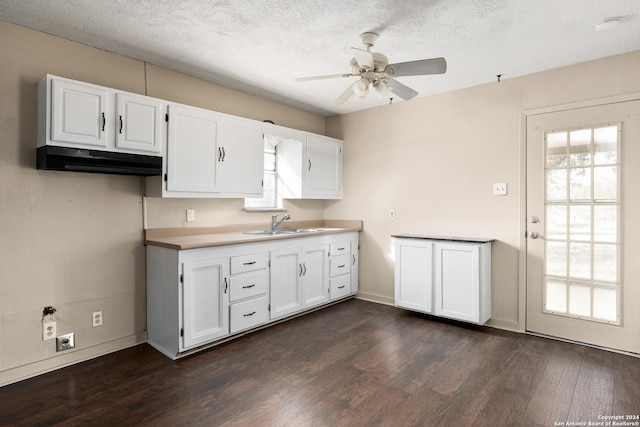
(200, 297)
(447, 277)
(82, 115)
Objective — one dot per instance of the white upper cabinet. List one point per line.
(242, 162)
(192, 150)
(82, 115)
(210, 155)
(139, 122)
(78, 114)
(310, 167)
(322, 173)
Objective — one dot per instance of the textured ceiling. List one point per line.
(261, 46)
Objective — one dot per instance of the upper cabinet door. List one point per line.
(79, 114)
(242, 161)
(323, 169)
(192, 150)
(139, 123)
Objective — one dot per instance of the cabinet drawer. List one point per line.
(340, 248)
(240, 264)
(249, 284)
(340, 286)
(247, 314)
(339, 264)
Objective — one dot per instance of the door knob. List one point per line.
(534, 235)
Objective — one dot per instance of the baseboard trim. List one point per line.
(507, 325)
(40, 367)
(380, 299)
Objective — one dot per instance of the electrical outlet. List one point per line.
(392, 214)
(97, 318)
(48, 331)
(500, 189)
(65, 342)
(191, 215)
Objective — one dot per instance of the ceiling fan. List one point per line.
(376, 73)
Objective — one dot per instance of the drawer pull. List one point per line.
(249, 263)
(342, 266)
(340, 287)
(341, 249)
(250, 314)
(248, 286)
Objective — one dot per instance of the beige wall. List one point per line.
(434, 161)
(73, 240)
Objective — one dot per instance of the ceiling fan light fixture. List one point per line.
(382, 88)
(361, 88)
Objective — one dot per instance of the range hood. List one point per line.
(95, 161)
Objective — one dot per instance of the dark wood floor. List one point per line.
(353, 364)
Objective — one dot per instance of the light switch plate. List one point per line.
(500, 189)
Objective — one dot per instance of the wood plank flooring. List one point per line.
(352, 364)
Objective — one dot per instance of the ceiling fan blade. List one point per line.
(329, 76)
(404, 92)
(417, 68)
(346, 95)
(363, 57)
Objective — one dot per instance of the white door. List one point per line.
(583, 274)
(139, 122)
(324, 167)
(242, 160)
(192, 152)
(286, 278)
(205, 301)
(315, 275)
(79, 114)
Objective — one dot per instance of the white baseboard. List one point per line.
(380, 299)
(40, 367)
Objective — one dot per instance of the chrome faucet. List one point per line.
(275, 222)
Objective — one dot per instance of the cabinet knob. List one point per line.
(535, 235)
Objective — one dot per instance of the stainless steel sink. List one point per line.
(270, 233)
(288, 231)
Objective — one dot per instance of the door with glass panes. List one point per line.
(583, 233)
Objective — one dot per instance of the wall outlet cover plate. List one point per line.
(65, 342)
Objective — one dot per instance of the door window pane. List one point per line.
(605, 223)
(605, 182)
(580, 220)
(557, 149)
(605, 303)
(556, 185)
(605, 142)
(605, 262)
(556, 256)
(556, 222)
(579, 300)
(580, 260)
(580, 184)
(580, 147)
(556, 296)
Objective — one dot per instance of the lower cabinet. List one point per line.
(205, 293)
(299, 278)
(447, 278)
(199, 297)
